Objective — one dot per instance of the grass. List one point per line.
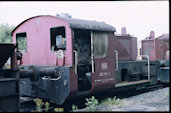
(113, 101)
(91, 103)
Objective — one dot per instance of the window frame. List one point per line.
(55, 38)
(24, 51)
(107, 49)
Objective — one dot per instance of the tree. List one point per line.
(5, 33)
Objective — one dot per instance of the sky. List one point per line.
(138, 17)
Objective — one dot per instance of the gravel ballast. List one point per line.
(157, 100)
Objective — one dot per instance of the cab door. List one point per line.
(103, 60)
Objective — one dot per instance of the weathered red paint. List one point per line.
(127, 47)
(156, 48)
(107, 80)
(38, 41)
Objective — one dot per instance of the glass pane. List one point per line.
(100, 40)
(22, 41)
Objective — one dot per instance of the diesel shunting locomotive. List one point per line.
(58, 58)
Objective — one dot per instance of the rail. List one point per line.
(92, 55)
(76, 61)
(116, 60)
(148, 64)
(44, 78)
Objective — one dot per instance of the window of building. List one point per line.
(21, 40)
(58, 38)
(100, 40)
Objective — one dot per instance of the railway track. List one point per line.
(28, 105)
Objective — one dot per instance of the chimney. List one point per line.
(123, 31)
(152, 35)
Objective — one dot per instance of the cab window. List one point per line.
(21, 40)
(100, 40)
(58, 38)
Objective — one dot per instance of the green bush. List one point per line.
(58, 109)
(112, 101)
(39, 104)
(74, 108)
(91, 103)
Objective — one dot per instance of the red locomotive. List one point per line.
(59, 57)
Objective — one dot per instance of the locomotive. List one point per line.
(59, 58)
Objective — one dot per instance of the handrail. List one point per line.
(148, 64)
(116, 60)
(92, 55)
(76, 61)
(44, 78)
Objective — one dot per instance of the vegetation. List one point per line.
(39, 104)
(46, 106)
(91, 103)
(112, 101)
(74, 108)
(5, 36)
(5, 33)
(58, 109)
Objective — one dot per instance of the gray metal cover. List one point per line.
(87, 24)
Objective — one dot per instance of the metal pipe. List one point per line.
(76, 61)
(92, 55)
(26, 73)
(116, 60)
(33, 72)
(148, 65)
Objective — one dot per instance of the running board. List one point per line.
(133, 84)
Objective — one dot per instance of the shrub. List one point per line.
(58, 109)
(39, 104)
(91, 103)
(74, 108)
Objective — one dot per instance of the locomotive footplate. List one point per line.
(133, 84)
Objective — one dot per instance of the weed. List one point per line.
(74, 108)
(39, 104)
(58, 109)
(91, 103)
(46, 106)
(148, 95)
(112, 101)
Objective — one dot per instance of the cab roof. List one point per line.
(79, 24)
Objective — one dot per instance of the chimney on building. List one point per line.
(152, 35)
(123, 31)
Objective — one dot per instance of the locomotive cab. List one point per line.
(62, 57)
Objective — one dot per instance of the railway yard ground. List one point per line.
(156, 100)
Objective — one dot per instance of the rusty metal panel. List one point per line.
(6, 51)
(127, 47)
(148, 48)
(156, 48)
(161, 47)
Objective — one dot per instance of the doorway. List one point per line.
(82, 46)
